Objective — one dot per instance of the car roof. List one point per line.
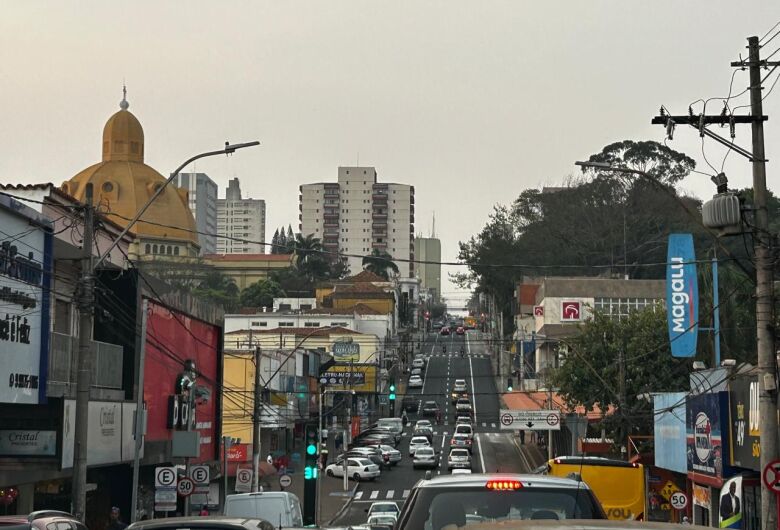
(419, 439)
(380, 503)
(479, 480)
(212, 521)
(426, 448)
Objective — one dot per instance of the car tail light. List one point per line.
(503, 485)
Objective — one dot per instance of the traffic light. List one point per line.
(310, 475)
(391, 396)
(509, 385)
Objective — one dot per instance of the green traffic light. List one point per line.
(392, 397)
(311, 449)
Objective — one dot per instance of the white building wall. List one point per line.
(243, 219)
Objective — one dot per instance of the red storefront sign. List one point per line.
(238, 453)
(172, 339)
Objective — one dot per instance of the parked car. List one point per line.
(357, 469)
(281, 507)
(416, 443)
(375, 439)
(392, 454)
(416, 371)
(415, 381)
(41, 519)
(395, 425)
(357, 452)
(461, 440)
(430, 408)
(419, 363)
(410, 403)
(212, 522)
(425, 457)
(459, 458)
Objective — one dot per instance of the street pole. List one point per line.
(767, 383)
(190, 422)
(139, 415)
(225, 449)
(321, 395)
(258, 392)
(86, 303)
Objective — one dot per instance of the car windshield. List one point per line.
(384, 507)
(464, 402)
(431, 404)
(435, 508)
(419, 440)
(364, 462)
(459, 452)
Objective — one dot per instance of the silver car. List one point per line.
(459, 458)
(425, 457)
(416, 443)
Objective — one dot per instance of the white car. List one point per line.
(415, 381)
(460, 471)
(460, 385)
(464, 428)
(418, 363)
(416, 443)
(382, 519)
(423, 423)
(357, 469)
(417, 371)
(384, 508)
(459, 458)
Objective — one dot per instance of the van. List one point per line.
(396, 425)
(280, 508)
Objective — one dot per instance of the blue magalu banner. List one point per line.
(682, 295)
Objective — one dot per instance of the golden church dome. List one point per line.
(122, 184)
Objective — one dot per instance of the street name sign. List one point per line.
(530, 420)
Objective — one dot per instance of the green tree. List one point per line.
(261, 294)
(339, 268)
(275, 243)
(309, 258)
(379, 262)
(219, 288)
(590, 369)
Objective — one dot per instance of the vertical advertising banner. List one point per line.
(25, 267)
(730, 505)
(745, 429)
(682, 295)
(176, 346)
(704, 434)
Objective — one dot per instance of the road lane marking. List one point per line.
(406, 494)
(358, 495)
(374, 494)
(481, 456)
(473, 390)
(390, 494)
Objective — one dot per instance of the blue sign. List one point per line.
(682, 295)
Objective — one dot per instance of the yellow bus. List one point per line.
(618, 485)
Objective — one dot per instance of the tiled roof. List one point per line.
(365, 276)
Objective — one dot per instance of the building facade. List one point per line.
(202, 200)
(240, 223)
(357, 215)
(427, 250)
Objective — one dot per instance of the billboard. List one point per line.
(178, 346)
(704, 433)
(346, 351)
(682, 295)
(745, 434)
(110, 438)
(669, 431)
(25, 267)
(360, 378)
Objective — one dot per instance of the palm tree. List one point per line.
(310, 260)
(378, 262)
(217, 287)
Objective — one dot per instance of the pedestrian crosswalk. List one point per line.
(453, 355)
(373, 495)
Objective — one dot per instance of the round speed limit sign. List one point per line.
(185, 487)
(678, 500)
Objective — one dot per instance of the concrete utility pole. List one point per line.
(140, 415)
(767, 385)
(767, 362)
(86, 303)
(258, 393)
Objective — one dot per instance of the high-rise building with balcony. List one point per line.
(240, 223)
(202, 200)
(357, 214)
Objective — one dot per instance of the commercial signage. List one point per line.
(174, 338)
(669, 431)
(110, 438)
(360, 378)
(730, 505)
(23, 442)
(238, 453)
(24, 303)
(704, 423)
(745, 432)
(346, 351)
(701, 496)
(682, 295)
(571, 311)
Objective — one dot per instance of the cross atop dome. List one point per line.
(124, 105)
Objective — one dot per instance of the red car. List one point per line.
(445, 330)
(460, 330)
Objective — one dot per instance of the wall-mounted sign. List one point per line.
(358, 377)
(682, 295)
(24, 304)
(704, 424)
(110, 432)
(745, 433)
(19, 442)
(538, 311)
(346, 351)
(571, 311)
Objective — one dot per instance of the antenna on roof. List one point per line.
(433, 226)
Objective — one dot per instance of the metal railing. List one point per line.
(107, 367)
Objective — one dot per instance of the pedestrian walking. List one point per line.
(115, 522)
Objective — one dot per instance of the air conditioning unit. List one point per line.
(723, 212)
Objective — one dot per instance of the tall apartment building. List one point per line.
(429, 249)
(240, 218)
(202, 196)
(358, 214)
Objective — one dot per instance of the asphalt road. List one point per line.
(493, 450)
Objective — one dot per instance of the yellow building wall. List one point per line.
(237, 402)
(320, 293)
(383, 305)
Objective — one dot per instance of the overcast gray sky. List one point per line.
(470, 102)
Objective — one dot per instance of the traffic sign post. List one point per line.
(530, 420)
(200, 476)
(243, 480)
(771, 476)
(285, 481)
(678, 500)
(165, 482)
(186, 487)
